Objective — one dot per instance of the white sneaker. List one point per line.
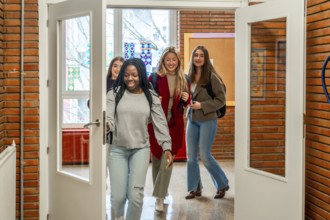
(120, 218)
(159, 204)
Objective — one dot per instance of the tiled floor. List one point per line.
(201, 208)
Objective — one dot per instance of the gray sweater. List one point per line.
(130, 124)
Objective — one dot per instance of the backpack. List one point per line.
(154, 77)
(221, 111)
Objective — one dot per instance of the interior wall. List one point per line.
(317, 114)
(212, 22)
(2, 90)
(317, 188)
(222, 55)
(12, 11)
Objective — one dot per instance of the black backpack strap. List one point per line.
(154, 77)
(209, 89)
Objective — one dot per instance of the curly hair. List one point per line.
(120, 86)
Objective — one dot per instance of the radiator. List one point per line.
(8, 183)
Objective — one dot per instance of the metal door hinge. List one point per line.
(48, 216)
(47, 150)
(47, 83)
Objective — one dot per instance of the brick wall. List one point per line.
(318, 111)
(12, 97)
(212, 22)
(267, 92)
(317, 188)
(2, 116)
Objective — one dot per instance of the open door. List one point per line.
(77, 161)
(269, 94)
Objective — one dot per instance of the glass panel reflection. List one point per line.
(75, 111)
(75, 93)
(146, 33)
(267, 96)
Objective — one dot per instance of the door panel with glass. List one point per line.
(269, 111)
(76, 115)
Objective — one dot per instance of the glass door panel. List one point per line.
(75, 92)
(109, 37)
(268, 95)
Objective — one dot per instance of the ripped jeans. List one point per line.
(128, 171)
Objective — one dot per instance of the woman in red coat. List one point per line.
(171, 84)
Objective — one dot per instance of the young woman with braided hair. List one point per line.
(131, 105)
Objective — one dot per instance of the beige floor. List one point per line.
(178, 208)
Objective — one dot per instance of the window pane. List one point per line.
(109, 36)
(145, 35)
(75, 111)
(77, 53)
(268, 96)
(75, 92)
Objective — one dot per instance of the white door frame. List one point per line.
(274, 197)
(43, 66)
(73, 196)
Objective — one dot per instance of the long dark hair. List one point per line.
(207, 68)
(109, 74)
(120, 86)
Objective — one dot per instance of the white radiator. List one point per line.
(8, 183)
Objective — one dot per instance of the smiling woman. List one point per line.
(131, 105)
(131, 79)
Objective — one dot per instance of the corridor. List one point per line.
(200, 208)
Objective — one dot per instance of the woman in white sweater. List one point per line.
(131, 105)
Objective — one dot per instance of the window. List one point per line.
(76, 73)
(130, 33)
(140, 33)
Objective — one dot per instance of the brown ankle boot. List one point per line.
(221, 193)
(192, 194)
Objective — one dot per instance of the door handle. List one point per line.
(96, 122)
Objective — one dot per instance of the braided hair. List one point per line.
(120, 86)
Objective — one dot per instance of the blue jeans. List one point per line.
(128, 171)
(202, 133)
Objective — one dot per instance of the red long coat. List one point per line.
(175, 125)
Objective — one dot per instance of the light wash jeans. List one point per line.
(128, 171)
(161, 176)
(202, 133)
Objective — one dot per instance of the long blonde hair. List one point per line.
(181, 82)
